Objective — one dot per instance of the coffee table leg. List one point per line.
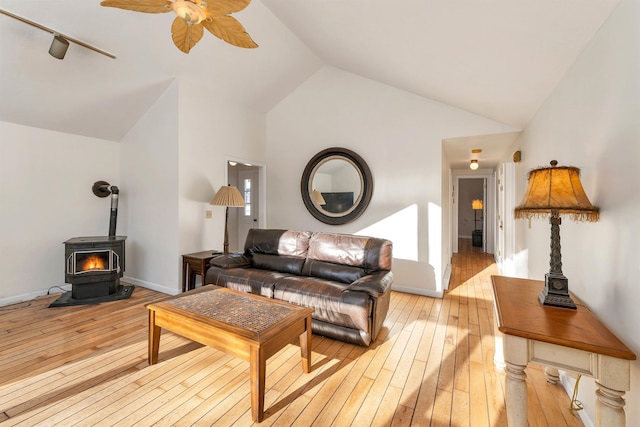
(258, 370)
(154, 338)
(305, 346)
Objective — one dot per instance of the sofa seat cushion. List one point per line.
(331, 271)
(249, 280)
(332, 302)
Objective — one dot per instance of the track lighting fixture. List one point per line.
(60, 42)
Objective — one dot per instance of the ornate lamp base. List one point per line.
(556, 291)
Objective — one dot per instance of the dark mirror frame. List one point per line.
(365, 178)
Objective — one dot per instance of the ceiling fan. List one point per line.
(193, 15)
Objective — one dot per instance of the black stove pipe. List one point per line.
(102, 190)
(113, 218)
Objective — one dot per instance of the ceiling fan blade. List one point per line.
(230, 30)
(147, 6)
(225, 7)
(185, 36)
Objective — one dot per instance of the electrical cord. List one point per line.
(576, 405)
(49, 290)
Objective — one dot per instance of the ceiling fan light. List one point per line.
(191, 12)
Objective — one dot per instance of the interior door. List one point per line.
(248, 216)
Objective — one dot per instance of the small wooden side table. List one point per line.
(572, 340)
(193, 264)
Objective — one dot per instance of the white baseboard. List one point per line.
(33, 295)
(446, 277)
(152, 286)
(67, 287)
(416, 291)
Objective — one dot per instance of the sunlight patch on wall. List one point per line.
(402, 229)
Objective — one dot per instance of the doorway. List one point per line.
(249, 179)
(466, 220)
(471, 215)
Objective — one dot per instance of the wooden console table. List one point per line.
(572, 340)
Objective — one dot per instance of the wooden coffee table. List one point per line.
(247, 326)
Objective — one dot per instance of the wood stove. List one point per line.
(94, 265)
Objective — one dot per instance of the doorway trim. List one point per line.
(489, 199)
(262, 188)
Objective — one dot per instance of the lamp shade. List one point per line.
(556, 189)
(317, 198)
(476, 204)
(228, 195)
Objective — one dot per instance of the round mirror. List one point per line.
(336, 186)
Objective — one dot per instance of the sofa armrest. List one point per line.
(234, 260)
(376, 284)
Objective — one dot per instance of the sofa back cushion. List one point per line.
(369, 253)
(277, 250)
(277, 242)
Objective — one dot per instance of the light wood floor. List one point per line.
(432, 365)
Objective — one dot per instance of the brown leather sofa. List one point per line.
(345, 278)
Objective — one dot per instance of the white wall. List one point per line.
(45, 199)
(592, 121)
(167, 167)
(174, 162)
(149, 190)
(399, 135)
(210, 132)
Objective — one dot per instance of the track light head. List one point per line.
(59, 46)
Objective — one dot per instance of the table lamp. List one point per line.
(552, 192)
(476, 205)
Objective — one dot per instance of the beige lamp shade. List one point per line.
(556, 189)
(317, 198)
(476, 204)
(228, 195)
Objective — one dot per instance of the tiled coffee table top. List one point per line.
(236, 310)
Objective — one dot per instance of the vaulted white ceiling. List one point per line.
(497, 58)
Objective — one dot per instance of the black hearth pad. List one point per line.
(122, 292)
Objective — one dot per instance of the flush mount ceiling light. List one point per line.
(474, 162)
(60, 42)
(193, 16)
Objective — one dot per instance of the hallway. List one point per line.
(469, 262)
(470, 288)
